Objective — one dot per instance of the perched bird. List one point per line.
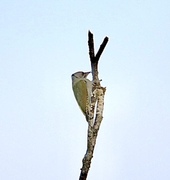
(82, 88)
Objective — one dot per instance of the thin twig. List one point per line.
(102, 46)
(91, 46)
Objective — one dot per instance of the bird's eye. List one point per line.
(74, 75)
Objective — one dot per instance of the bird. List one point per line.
(82, 88)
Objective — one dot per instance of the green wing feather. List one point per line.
(81, 94)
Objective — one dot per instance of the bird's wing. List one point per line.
(81, 94)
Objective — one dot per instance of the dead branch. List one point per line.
(97, 100)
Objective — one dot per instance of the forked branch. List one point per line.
(97, 100)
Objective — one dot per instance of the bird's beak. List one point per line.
(86, 74)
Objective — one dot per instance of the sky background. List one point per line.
(42, 130)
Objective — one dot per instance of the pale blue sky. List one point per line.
(42, 130)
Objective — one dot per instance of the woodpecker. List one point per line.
(82, 88)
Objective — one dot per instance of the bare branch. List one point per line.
(91, 46)
(102, 46)
(94, 119)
